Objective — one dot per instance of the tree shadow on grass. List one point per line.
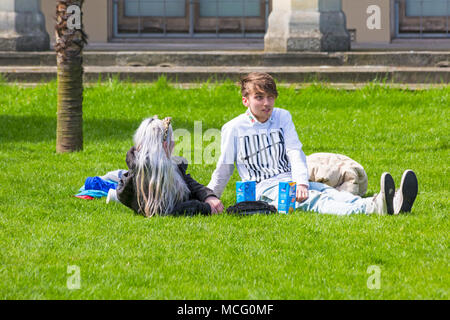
(36, 128)
(27, 128)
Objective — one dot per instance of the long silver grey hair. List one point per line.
(159, 184)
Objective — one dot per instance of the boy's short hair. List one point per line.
(258, 82)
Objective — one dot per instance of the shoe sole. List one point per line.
(108, 197)
(409, 188)
(388, 186)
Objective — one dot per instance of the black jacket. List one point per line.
(126, 190)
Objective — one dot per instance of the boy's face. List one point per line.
(260, 104)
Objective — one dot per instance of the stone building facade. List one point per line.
(367, 21)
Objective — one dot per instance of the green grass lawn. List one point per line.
(44, 229)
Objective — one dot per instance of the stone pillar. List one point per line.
(307, 25)
(22, 26)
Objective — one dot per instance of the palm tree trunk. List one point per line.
(69, 53)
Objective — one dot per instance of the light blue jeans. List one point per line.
(322, 199)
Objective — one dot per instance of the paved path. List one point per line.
(289, 74)
(235, 59)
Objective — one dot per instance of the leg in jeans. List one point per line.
(322, 199)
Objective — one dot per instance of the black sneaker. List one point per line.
(405, 196)
(389, 192)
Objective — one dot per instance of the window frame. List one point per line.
(191, 25)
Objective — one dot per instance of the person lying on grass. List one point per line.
(264, 145)
(156, 182)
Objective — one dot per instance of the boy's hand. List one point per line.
(302, 192)
(216, 204)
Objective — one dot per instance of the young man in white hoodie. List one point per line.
(264, 146)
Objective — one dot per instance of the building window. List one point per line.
(172, 8)
(190, 18)
(423, 18)
(232, 8)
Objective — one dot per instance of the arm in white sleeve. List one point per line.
(295, 153)
(299, 167)
(225, 165)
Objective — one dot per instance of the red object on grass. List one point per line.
(85, 197)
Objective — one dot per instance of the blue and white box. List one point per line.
(245, 191)
(286, 197)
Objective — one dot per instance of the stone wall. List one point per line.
(95, 19)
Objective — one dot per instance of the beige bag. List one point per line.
(337, 171)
